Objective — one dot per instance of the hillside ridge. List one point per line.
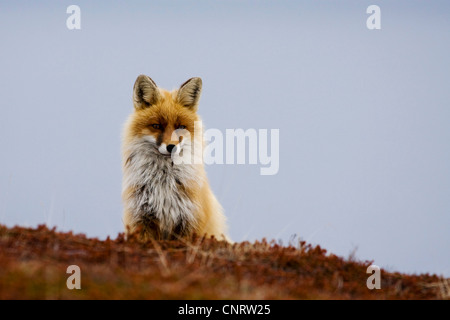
(34, 265)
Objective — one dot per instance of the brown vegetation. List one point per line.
(34, 263)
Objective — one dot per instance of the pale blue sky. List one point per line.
(363, 116)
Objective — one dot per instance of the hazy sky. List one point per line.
(364, 116)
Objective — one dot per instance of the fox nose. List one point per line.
(170, 147)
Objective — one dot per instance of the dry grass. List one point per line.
(34, 262)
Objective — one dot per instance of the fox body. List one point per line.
(163, 199)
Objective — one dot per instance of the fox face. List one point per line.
(165, 119)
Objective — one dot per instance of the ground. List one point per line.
(34, 262)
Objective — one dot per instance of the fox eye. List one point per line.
(181, 127)
(156, 126)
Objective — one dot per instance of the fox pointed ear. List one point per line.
(189, 93)
(145, 92)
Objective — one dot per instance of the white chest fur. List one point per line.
(158, 187)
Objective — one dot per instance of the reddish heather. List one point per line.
(34, 264)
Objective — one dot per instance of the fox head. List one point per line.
(164, 119)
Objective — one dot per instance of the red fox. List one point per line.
(164, 199)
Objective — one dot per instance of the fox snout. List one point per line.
(168, 149)
(173, 142)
